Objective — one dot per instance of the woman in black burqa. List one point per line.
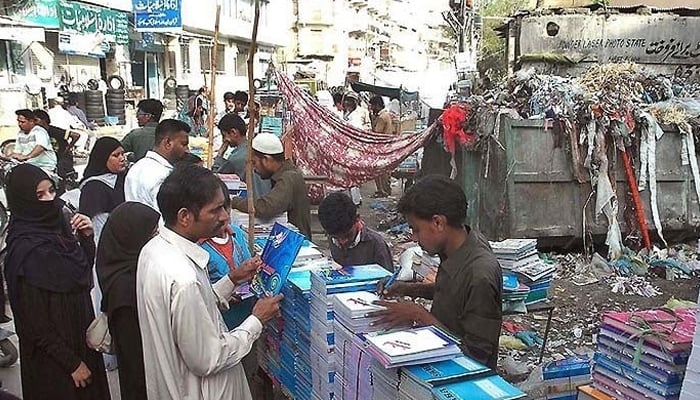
(128, 229)
(48, 268)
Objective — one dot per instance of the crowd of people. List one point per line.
(152, 246)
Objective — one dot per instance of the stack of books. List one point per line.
(236, 187)
(418, 381)
(411, 346)
(324, 284)
(562, 378)
(519, 256)
(643, 355)
(514, 293)
(691, 384)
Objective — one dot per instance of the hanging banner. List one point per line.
(84, 18)
(39, 12)
(157, 15)
(83, 44)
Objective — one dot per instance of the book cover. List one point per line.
(675, 328)
(278, 256)
(489, 388)
(348, 275)
(445, 371)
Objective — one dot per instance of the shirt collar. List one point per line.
(455, 262)
(195, 253)
(286, 166)
(159, 159)
(150, 125)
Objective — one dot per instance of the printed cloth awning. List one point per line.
(324, 144)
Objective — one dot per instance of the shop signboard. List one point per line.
(157, 15)
(89, 19)
(39, 12)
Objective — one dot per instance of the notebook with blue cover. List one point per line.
(489, 388)
(442, 372)
(350, 275)
(280, 251)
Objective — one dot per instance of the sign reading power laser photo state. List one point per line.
(157, 15)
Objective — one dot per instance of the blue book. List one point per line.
(280, 251)
(438, 373)
(489, 388)
(348, 275)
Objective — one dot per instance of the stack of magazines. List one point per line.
(643, 354)
(519, 256)
(324, 284)
(411, 346)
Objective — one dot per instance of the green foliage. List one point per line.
(493, 61)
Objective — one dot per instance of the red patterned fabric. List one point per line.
(453, 120)
(324, 144)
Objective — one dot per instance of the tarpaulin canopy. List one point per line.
(324, 144)
(385, 91)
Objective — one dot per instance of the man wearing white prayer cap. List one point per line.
(288, 191)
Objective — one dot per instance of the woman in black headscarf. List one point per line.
(49, 276)
(128, 229)
(102, 188)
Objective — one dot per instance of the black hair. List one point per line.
(42, 115)
(153, 107)
(337, 98)
(241, 95)
(169, 128)
(229, 95)
(277, 157)
(227, 194)
(72, 99)
(202, 90)
(377, 101)
(232, 121)
(188, 186)
(190, 158)
(337, 213)
(26, 113)
(435, 195)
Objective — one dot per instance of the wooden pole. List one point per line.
(251, 128)
(212, 90)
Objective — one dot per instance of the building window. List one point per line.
(205, 57)
(185, 56)
(241, 61)
(171, 63)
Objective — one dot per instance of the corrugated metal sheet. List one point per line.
(657, 4)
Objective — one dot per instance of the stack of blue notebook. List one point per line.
(324, 284)
(418, 381)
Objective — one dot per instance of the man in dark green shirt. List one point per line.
(233, 132)
(288, 193)
(140, 140)
(467, 290)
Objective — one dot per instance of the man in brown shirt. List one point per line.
(467, 291)
(381, 123)
(288, 191)
(351, 241)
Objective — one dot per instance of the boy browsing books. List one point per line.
(467, 290)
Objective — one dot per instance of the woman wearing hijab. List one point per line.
(129, 227)
(49, 276)
(102, 188)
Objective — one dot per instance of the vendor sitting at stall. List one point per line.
(467, 290)
(351, 242)
(288, 193)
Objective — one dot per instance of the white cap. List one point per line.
(267, 143)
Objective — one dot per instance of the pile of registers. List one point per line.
(325, 346)
(526, 279)
(643, 354)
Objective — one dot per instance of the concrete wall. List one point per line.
(663, 43)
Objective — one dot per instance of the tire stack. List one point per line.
(170, 93)
(182, 93)
(94, 106)
(114, 98)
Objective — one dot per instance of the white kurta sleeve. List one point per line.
(205, 348)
